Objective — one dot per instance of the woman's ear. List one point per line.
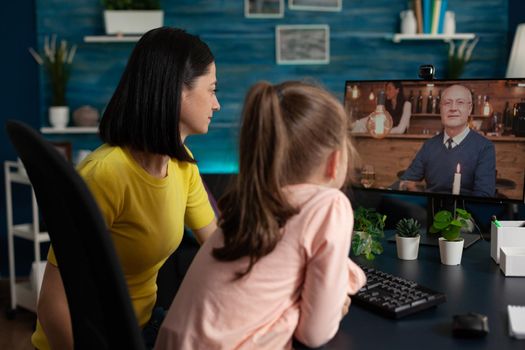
(332, 164)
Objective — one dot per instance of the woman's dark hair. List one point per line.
(287, 131)
(144, 111)
(396, 112)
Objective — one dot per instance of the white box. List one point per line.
(131, 21)
(510, 234)
(512, 261)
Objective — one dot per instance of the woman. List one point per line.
(143, 178)
(397, 106)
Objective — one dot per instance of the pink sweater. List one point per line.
(298, 290)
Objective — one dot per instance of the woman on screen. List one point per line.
(397, 106)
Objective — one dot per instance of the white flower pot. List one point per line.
(407, 247)
(131, 21)
(59, 116)
(450, 252)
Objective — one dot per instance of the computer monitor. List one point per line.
(485, 163)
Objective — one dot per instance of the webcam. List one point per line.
(427, 72)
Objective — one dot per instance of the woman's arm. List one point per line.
(53, 310)
(204, 233)
(405, 119)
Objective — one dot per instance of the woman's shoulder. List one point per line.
(105, 159)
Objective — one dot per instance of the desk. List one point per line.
(476, 285)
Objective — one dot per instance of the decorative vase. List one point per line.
(407, 247)
(85, 116)
(449, 25)
(408, 22)
(450, 252)
(59, 116)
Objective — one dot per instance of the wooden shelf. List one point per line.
(445, 37)
(111, 38)
(70, 130)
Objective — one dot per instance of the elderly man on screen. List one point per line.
(437, 160)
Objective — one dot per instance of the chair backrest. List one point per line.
(101, 312)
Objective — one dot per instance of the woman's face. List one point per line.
(198, 104)
(391, 91)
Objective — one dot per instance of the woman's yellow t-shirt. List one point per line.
(145, 217)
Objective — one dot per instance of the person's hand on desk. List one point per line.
(407, 185)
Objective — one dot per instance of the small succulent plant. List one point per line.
(408, 227)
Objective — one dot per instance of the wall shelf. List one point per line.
(70, 130)
(24, 294)
(111, 38)
(445, 37)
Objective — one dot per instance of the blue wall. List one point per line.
(245, 53)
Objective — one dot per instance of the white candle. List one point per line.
(456, 185)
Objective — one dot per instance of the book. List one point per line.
(444, 5)
(427, 16)
(436, 10)
(516, 321)
(419, 15)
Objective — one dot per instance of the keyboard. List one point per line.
(393, 296)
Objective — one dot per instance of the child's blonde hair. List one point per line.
(287, 131)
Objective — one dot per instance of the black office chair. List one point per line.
(101, 312)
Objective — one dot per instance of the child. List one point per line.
(278, 267)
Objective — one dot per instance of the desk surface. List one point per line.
(476, 285)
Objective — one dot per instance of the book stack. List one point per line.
(430, 15)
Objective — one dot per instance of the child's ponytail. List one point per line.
(255, 209)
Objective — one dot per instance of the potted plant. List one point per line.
(450, 242)
(132, 16)
(57, 60)
(368, 232)
(457, 59)
(407, 238)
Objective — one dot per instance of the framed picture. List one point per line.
(264, 8)
(302, 44)
(316, 5)
(64, 148)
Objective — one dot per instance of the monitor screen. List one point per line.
(447, 137)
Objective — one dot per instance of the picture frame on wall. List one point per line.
(264, 8)
(65, 149)
(302, 44)
(316, 5)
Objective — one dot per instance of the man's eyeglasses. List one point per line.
(459, 103)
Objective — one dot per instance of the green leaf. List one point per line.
(377, 248)
(456, 223)
(451, 233)
(440, 225)
(443, 216)
(463, 213)
(370, 256)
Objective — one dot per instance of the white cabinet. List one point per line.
(24, 294)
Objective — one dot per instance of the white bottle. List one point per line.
(408, 22)
(449, 25)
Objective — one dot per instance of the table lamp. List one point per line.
(516, 66)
